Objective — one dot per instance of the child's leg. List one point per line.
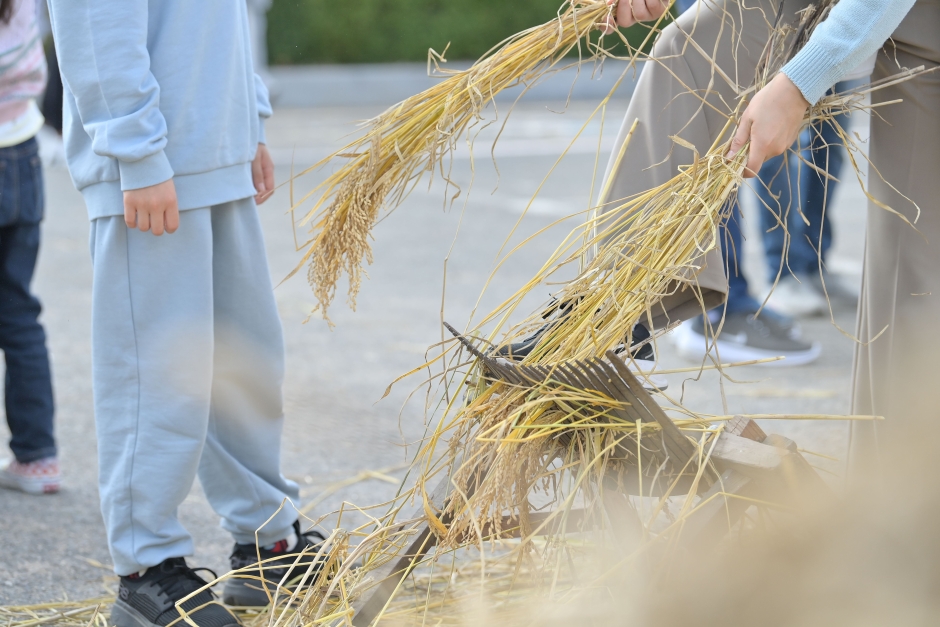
(727, 35)
(152, 342)
(29, 405)
(240, 467)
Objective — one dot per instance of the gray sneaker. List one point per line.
(797, 298)
(745, 338)
(840, 290)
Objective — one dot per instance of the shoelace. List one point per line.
(176, 587)
(312, 537)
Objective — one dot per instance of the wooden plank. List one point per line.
(625, 523)
(721, 511)
(784, 474)
(745, 428)
(751, 458)
(387, 577)
(680, 448)
(797, 472)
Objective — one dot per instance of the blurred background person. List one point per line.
(743, 335)
(28, 386)
(51, 148)
(800, 194)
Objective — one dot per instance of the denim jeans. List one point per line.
(28, 389)
(740, 299)
(785, 177)
(799, 188)
(787, 186)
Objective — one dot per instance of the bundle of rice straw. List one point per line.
(504, 448)
(415, 136)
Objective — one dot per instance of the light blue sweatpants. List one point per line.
(188, 363)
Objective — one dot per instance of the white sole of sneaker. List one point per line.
(36, 487)
(123, 615)
(691, 346)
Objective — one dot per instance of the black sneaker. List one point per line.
(641, 359)
(247, 588)
(555, 313)
(517, 351)
(149, 600)
(640, 348)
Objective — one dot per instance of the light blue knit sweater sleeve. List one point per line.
(851, 33)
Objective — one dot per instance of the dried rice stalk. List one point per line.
(552, 443)
(415, 136)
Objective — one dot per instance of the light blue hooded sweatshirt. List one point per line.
(155, 90)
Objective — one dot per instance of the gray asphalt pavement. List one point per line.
(52, 547)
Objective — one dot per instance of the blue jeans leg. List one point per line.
(826, 153)
(732, 253)
(790, 186)
(29, 405)
(28, 397)
(773, 188)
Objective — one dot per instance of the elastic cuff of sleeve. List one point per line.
(812, 71)
(262, 138)
(145, 172)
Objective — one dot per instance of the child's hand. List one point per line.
(152, 208)
(771, 123)
(629, 12)
(262, 173)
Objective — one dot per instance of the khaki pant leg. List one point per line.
(896, 375)
(735, 33)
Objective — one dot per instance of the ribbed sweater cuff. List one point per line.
(812, 71)
(262, 137)
(148, 171)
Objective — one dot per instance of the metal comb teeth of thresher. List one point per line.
(589, 374)
(611, 377)
(586, 374)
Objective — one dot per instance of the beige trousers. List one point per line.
(897, 374)
(683, 94)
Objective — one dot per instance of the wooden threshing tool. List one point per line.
(744, 462)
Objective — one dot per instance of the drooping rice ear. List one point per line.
(415, 136)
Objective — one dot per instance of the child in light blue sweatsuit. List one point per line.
(164, 133)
